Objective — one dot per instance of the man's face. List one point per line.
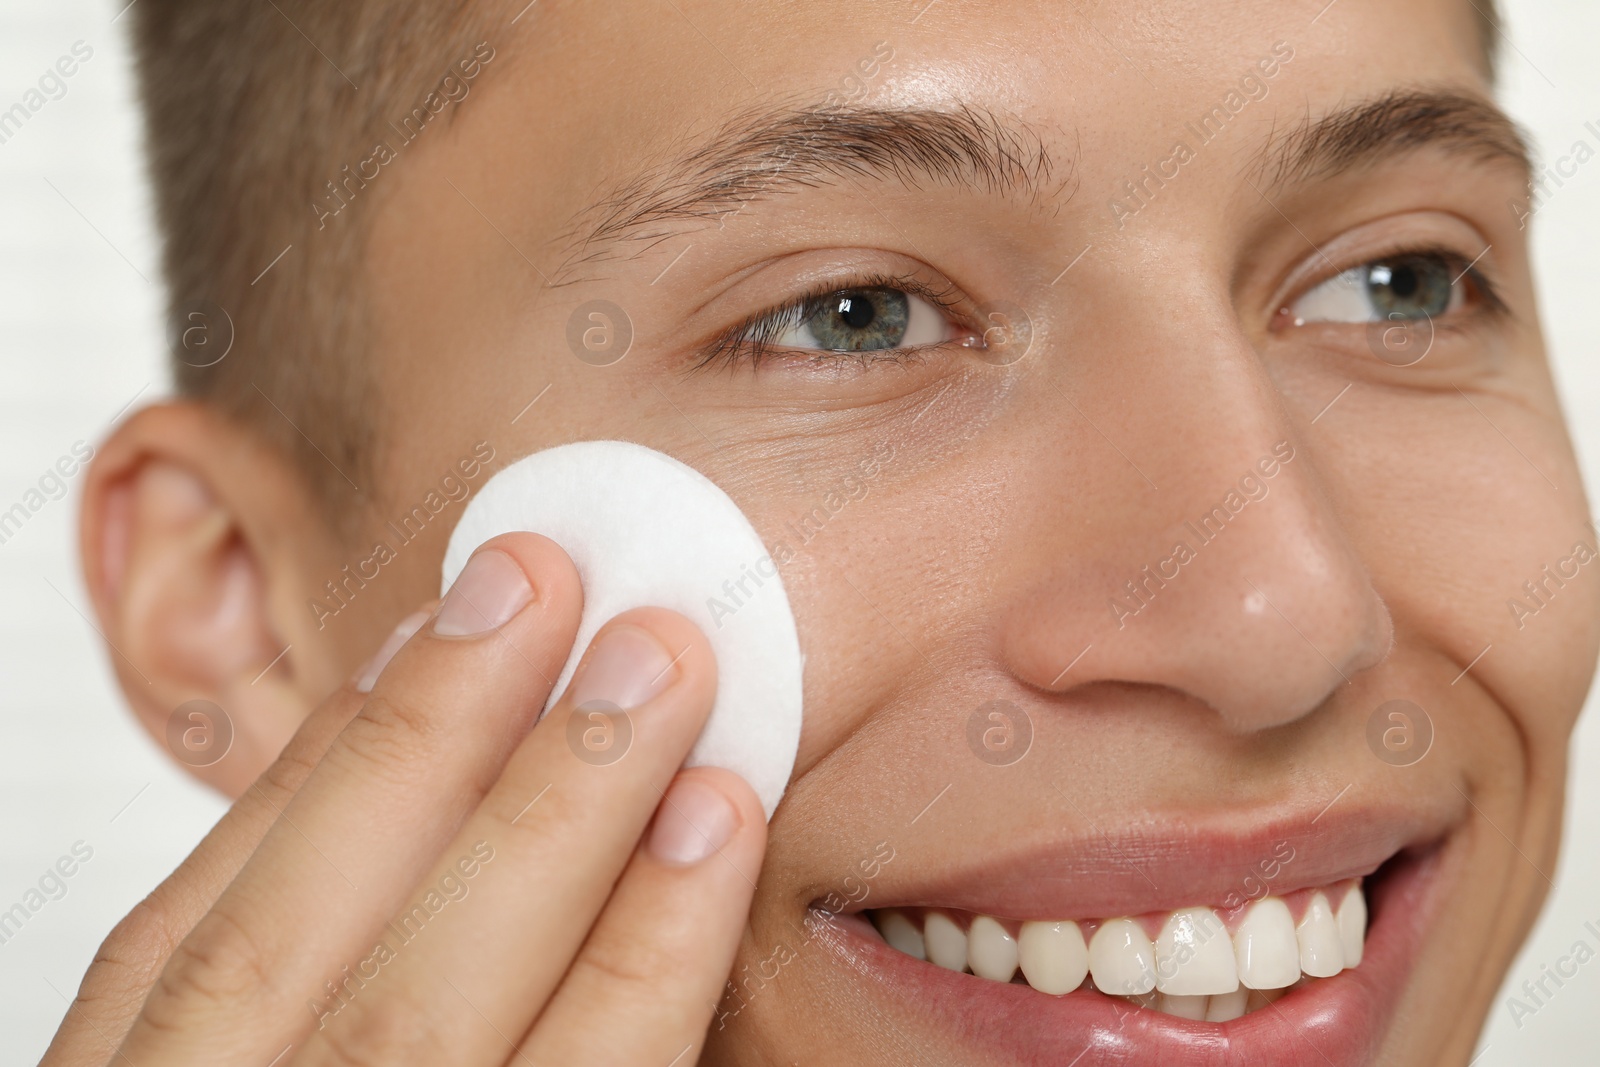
(1186, 432)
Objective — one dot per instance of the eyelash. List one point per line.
(751, 340)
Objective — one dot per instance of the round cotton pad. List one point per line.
(646, 529)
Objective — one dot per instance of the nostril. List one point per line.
(1381, 641)
(1265, 710)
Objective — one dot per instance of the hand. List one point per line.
(425, 876)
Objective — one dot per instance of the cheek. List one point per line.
(882, 595)
(1458, 526)
(885, 527)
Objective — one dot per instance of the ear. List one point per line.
(196, 541)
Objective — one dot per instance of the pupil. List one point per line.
(856, 312)
(1404, 282)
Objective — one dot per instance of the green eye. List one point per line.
(1415, 288)
(1395, 289)
(856, 320)
(864, 319)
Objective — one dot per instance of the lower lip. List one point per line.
(1340, 1020)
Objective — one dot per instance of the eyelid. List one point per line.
(1355, 243)
(730, 346)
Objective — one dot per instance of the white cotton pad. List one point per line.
(645, 529)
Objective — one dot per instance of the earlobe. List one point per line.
(181, 509)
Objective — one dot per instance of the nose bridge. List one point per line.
(1228, 576)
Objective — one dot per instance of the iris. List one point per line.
(860, 320)
(1413, 287)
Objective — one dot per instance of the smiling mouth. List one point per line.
(1201, 962)
(1163, 942)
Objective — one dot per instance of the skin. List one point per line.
(976, 566)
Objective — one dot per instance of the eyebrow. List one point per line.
(1391, 125)
(763, 153)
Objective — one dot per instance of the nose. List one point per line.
(1227, 576)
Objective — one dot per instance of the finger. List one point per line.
(133, 954)
(391, 791)
(465, 978)
(662, 950)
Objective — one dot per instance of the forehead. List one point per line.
(616, 87)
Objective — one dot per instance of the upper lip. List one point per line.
(1171, 861)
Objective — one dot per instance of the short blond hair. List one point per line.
(260, 120)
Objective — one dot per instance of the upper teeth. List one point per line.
(1196, 966)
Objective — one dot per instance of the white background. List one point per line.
(81, 335)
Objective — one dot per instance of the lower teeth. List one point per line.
(1217, 1008)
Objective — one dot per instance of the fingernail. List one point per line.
(391, 644)
(694, 820)
(487, 593)
(627, 666)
